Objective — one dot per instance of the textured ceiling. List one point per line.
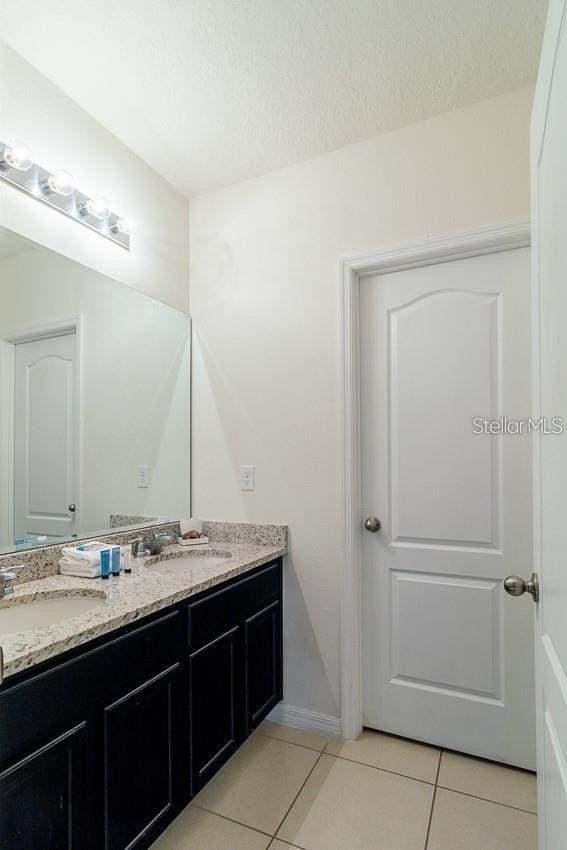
(210, 92)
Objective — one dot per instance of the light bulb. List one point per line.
(17, 155)
(124, 225)
(97, 208)
(60, 182)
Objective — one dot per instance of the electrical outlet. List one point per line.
(143, 476)
(247, 477)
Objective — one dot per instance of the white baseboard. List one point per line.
(309, 721)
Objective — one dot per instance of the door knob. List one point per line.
(372, 524)
(516, 586)
(72, 508)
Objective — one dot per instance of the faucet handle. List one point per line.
(8, 575)
(138, 546)
(11, 568)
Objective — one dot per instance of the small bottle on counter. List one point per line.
(116, 560)
(127, 559)
(105, 563)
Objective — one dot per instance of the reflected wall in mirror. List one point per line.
(94, 401)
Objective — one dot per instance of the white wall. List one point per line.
(62, 135)
(134, 383)
(264, 302)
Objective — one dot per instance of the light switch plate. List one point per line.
(247, 477)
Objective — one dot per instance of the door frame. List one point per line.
(353, 269)
(64, 326)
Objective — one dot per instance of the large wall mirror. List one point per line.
(94, 401)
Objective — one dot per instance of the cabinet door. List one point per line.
(215, 712)
(143, 749)
(263, 663)
(44, 798)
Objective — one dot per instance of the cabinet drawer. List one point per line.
(224, 609)
(57, 697)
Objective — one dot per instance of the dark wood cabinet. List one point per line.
(262, 663)
(143, 750)
(102, 747)
(44, 797)
(214, 712)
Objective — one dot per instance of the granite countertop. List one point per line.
(154, 584)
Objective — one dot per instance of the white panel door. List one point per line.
(549, 223)
(45, 443)
(447, 656)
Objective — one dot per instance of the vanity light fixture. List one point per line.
(123, 225)
(15, 156)
(97, 208)
(60, 182)
(57, 189)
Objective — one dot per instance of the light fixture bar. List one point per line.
(57, 190)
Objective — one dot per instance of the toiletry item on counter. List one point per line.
(78, 570)
(116, 560)
(85, 553)
(105, 563)
(127, 559)
(91, 560)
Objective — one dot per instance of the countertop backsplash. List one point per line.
(43, 561)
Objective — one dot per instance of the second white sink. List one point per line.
(178, 563)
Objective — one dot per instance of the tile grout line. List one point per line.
(232, 820)
(488, 800)
(433, 800)
(382, 769)
(295, 846)
(304, 783)
(293, 743)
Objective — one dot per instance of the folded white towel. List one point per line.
(85, 554)
(71, 569)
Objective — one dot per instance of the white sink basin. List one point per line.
(22, 614)
(174, 565)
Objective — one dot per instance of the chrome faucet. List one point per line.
(157, 542)
(7, 578)
(153, 546)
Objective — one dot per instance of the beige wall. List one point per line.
(61, 135)
(264, 301)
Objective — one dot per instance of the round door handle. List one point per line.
(517, 586)
(372, 524)
(72, 508)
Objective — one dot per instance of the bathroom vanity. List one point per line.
(111, 723)
(119, 698)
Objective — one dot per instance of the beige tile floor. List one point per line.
(291, 790)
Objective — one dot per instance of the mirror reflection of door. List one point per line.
(45, 422)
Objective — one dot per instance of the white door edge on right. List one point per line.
(549, 282)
